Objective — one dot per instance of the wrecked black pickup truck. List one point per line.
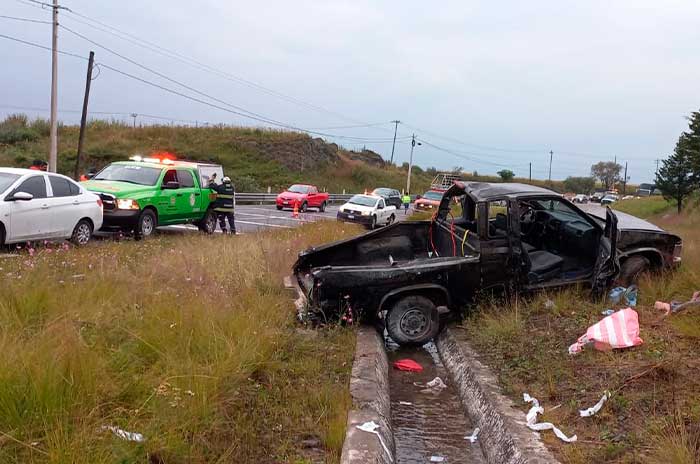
(484, 238)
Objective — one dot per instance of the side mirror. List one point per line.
(172, 185)
(380, 207)
(20, 196)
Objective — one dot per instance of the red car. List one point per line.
(429, 200)
(305, 196)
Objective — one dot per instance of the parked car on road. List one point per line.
(145, 193)
(304, 196)
(38, 205)
(429, 200)
(597, 196)
(391, 196)
(510, 238)
(608, 199)
(370, 210)
(580, 198)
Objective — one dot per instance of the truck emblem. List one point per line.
(172, 200)
(192, 199)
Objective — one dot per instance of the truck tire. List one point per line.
(279, 208)
(413, 321)
(304, 207)
(82, 233)
(322, 208)
(208, 223)
(373, 223)
(391, 220)
(146, 224)
(632, 269)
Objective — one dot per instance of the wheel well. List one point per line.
(654, 258)
(437, 295)
(92, 224)
(152, 209)
(3, 233)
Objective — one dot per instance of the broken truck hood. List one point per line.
(625, 221)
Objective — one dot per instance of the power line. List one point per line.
(202, 66)
(28, 20)
(43, 47)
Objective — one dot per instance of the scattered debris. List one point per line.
(629, 295)
(619, 330)
(593, 410)
(549, 304)
(408, 365)
(123, 434)
(608, 312)
(371, 427)
(472, 437)
(532, 423)
(437, 459)
(405, 403)
(434, 386)
(676, 306)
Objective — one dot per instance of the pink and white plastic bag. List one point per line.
(619, 330)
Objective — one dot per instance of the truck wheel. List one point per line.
(81, 233)
(146, 224)
(279, 208)
(208, 223)
(391, 220)
(322, 208)
(413, 320)
(304, 207)
(632, 269)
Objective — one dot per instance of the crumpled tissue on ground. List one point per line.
(532, 423)
(594, 409)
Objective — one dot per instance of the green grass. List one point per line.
(527, 345)
(644, 207)
(189, 340)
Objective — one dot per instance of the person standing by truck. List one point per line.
(406, 200)
(224, 205)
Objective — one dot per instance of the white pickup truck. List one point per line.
(370, 210)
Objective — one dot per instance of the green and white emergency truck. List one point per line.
(144, 193)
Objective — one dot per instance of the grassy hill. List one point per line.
(254, 158)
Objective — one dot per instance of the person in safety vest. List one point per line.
(406, 200)
(224, 204)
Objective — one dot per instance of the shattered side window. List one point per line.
(498, 218)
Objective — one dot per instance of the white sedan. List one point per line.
(36, 205)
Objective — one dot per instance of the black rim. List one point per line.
(414, 323)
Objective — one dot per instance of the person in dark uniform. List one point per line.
(39, 165)
(224, 204)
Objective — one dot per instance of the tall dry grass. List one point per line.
(190, 341)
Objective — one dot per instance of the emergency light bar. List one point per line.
(151, 160)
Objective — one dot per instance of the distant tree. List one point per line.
(676, 178)
(432, 170)
(475, 173)
(506, 174)
(579, 184)
(404, 166)
(417, 169)
(608, 172)
(688, 144)
(457, 170)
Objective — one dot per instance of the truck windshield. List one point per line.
(363, 200)
(430, 195)
(132, 174)
(6, 180)
(299, 189)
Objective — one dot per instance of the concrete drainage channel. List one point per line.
(416, 425)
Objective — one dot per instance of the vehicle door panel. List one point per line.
(167, 199)
(65, 208)
(30, 219)
(496, 253)
(187, 197)
(607, 265)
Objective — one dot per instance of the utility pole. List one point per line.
(551, 154)
(53, 144)
(410, 164)
(83, 118)
(624, 185)
(134, 115)
(396, 126)
(657, 168)
(530, 171)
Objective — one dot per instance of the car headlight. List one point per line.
(127, 203)
(366, 213)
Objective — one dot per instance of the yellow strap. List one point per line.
(466, 232)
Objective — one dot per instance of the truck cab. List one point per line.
(142, 194)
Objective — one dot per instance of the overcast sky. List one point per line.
(497, 83)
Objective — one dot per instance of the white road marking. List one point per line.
(264, 225)
(318, 214)
(279, 218)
